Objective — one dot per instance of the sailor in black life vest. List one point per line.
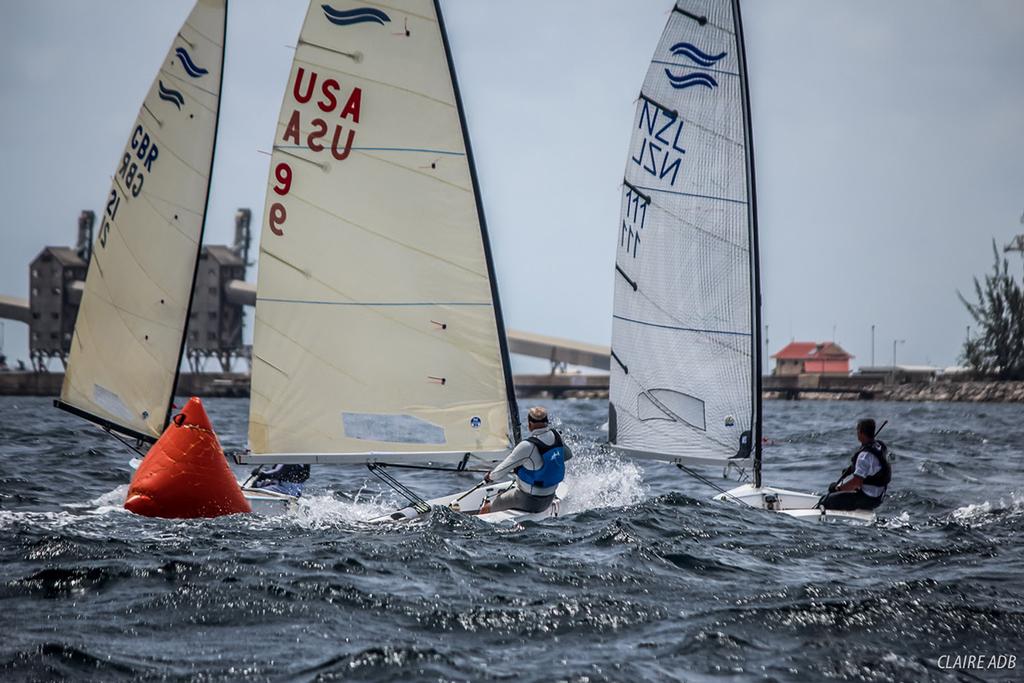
(861, 485)
(538, 463)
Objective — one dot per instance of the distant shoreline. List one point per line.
(974, 391)
(572, 386)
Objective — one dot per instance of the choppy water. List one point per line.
(646, 579)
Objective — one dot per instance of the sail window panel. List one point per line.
(667, 404)
(392, 428)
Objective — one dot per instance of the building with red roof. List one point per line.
(805, 358)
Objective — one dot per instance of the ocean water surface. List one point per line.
(643, 578)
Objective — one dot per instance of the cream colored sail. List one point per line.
(378, 331)
(131, 324)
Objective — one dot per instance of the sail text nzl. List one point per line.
(327, 103)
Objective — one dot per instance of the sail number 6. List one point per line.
(278, 214)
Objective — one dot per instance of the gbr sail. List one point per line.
(685, 372)
(378, 329)
(130, 330)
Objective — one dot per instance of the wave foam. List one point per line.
(981, 514)
(600, 480)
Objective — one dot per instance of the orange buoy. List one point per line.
(185, 474)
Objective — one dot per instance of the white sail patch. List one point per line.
(667, 404)
(111, 402)
(392, 428)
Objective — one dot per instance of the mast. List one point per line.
(202, 228)
(755, 260)
(510, 391)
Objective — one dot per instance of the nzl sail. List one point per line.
(685, 375)
(130, 330)
(378, 331)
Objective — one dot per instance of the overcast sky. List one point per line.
(889, 146)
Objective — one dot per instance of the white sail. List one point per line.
(378, 331)
(685, 368)
(130, 329)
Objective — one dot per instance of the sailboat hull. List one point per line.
(269, 503)
(793, 503)
(469, 502)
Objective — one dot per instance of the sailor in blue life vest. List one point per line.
(287, 479)
(862, 485)
(538, 463)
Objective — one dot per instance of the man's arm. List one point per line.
(851, 484)
(518, 456)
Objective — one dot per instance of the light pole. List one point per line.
(894, 343)
(872, 346)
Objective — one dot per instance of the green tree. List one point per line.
(998, 348)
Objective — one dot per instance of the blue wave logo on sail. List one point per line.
(690, 80)
(190, 67)
(696, 55)
(360, 15)
(169, 95)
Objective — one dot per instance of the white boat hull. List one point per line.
(264, 502)
(793, 503)
(469, 502)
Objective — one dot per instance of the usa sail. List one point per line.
(378, 332)
(685, 372)
(130, 331)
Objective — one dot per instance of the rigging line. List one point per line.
(403, 490)
(433, 468)
(699, 19)
(363, 77)
(387, 238)
(671, 112)
(321, 166)
(703, 21)
(619, 361)
(695, 195)
(123, 441)
(682, 329)
(714, 133)
(202, 35)
(620, 271)
(693, 226)
(701, 478)
(190, 85)
(150, 112)
(636, 191)
(383, 149)
(694, 68)
(354, 56)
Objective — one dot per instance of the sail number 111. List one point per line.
(278, 214)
